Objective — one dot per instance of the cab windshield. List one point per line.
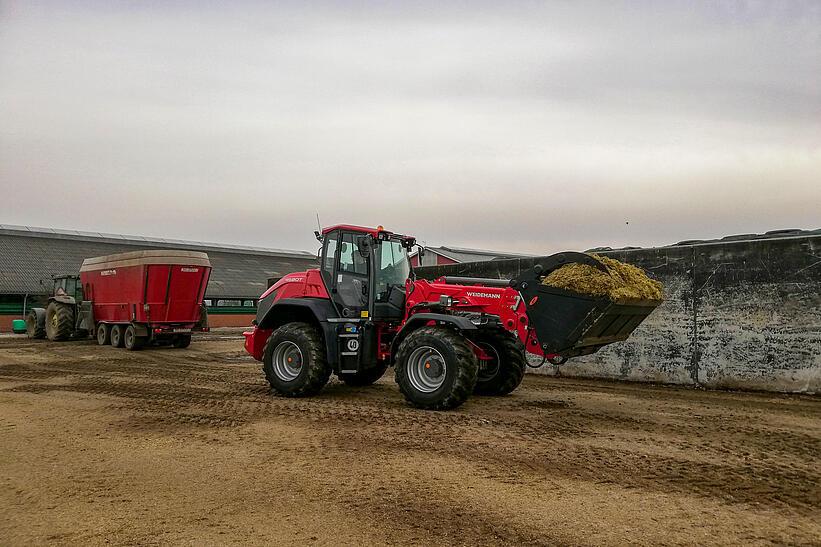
(393, 267)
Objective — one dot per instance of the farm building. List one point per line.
(29, 257)
(441, 256)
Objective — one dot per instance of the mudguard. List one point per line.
(421, 319)
(286, 310)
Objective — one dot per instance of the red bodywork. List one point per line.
(422, 296)
(162, 289)
(306, 284)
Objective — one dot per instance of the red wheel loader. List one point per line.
(128, 300)
(363, 310)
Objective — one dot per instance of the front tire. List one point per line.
(365, 377)
(294, 360)
(59, 321)
(117, 335)
(436, 368)
(505, 372)
(35, 329)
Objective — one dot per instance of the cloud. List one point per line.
(518, 126)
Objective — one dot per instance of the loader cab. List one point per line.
(365, 271)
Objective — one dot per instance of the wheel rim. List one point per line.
(426, 369)
(488, 369)
(115, 335)
(129, 337)
(287, 361)
(101, 333)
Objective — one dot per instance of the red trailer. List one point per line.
(130, 299)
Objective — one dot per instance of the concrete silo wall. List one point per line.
(741, 314)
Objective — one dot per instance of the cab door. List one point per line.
(346, 273)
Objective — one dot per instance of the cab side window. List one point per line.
(350, 261)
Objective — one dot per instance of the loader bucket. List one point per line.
(572, 324)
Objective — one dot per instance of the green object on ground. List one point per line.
(18, 326)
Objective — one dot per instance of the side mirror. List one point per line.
(318, 235)
(364, 243)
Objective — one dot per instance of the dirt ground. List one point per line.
(100, 445)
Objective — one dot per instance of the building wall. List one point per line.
(230, 320)
(737, 315)
(5, 322)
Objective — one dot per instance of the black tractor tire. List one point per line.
(35, 329)
(506, 371)
(117, 335)
(59, 321)
(182, 341)
(103, 334)
(131, 341)
(365, 377)
(311, 371)
(461, 367)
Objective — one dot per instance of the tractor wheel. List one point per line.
(182, 341)
(294, 360)
(117, 335)
(365, 377)
(131, 341)
(59, 321)
(35, 328)
(436, 369)
(507, 369)
(103, 334)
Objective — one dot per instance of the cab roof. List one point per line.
(352, 228)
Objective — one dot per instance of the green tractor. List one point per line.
(65, 316)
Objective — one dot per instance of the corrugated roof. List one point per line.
(142, 241)
(29, 257)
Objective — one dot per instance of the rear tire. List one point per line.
(436, 368)
(103, 334)
(365, 377)
(34, 328)
(131, 341)
(294, 360)
(182, 341)
(59, 321)
(504, 374)
(117, 335)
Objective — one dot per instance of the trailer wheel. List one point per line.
(59, 321)
(131, 341)
(294, 360)
(365, 377)
(182, 341)
(117, 335)
(505, 372)
(103, 334)
(35, 327)
(436, 369)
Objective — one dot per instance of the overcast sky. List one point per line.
(532, 126)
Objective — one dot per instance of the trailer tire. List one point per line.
(365, 377)
(436, 369)
(35, 325)
(131, 341)
(506, 373)
(311, 371)
(59, 321)
(103, 334)
(182, 341)
(117, 336)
